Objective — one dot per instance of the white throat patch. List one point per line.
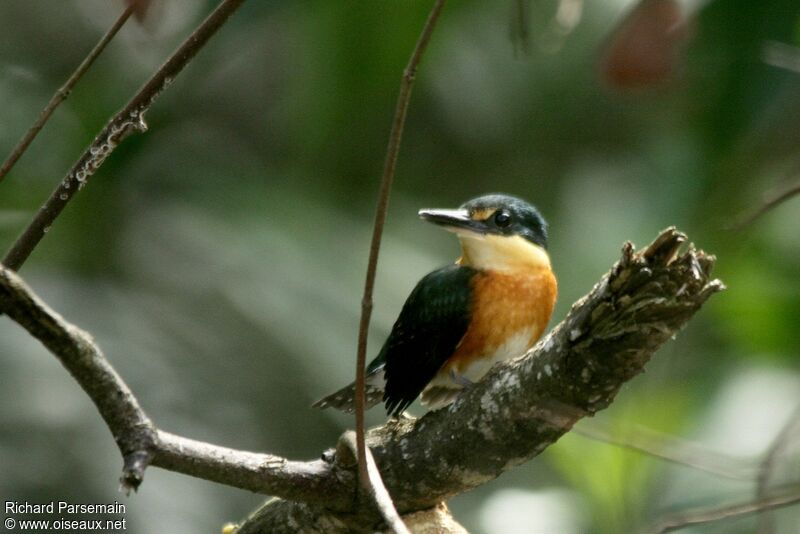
(503, 253)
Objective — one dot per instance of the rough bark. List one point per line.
(523, 406)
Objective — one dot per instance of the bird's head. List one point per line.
(496, 231)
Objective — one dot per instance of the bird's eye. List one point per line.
(502, 219)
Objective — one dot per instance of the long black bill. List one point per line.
(453, 220)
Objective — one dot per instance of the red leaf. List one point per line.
(646, 47)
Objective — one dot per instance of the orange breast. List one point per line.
(505, 304)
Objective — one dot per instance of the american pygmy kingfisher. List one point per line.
(492, 304)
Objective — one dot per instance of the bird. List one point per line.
(491, 305)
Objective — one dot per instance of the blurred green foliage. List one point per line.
(219, 258)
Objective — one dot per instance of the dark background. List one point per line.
(219, 258)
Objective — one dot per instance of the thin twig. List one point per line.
(519, 27)
(379, 494)
(770, 204)
(765, 522)
(128, 120)
(62, 93)
(700, 516)
(671, 449)
(390, 163)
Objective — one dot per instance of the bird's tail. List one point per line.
(344, 399)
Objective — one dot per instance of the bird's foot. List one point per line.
(460, 380)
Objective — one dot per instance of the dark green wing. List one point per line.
(434, 319)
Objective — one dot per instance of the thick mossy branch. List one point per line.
(523, 406)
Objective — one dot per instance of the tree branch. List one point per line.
(512, 415)
(773, 201)
(776, 448)
(523, 406)
(375, 484)
(672, 449)
(128, 120)
(312, 481)
(710, 515)
(767, 206)
(390, 164)
(62, 93)
(131, 428)
(139, 441)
